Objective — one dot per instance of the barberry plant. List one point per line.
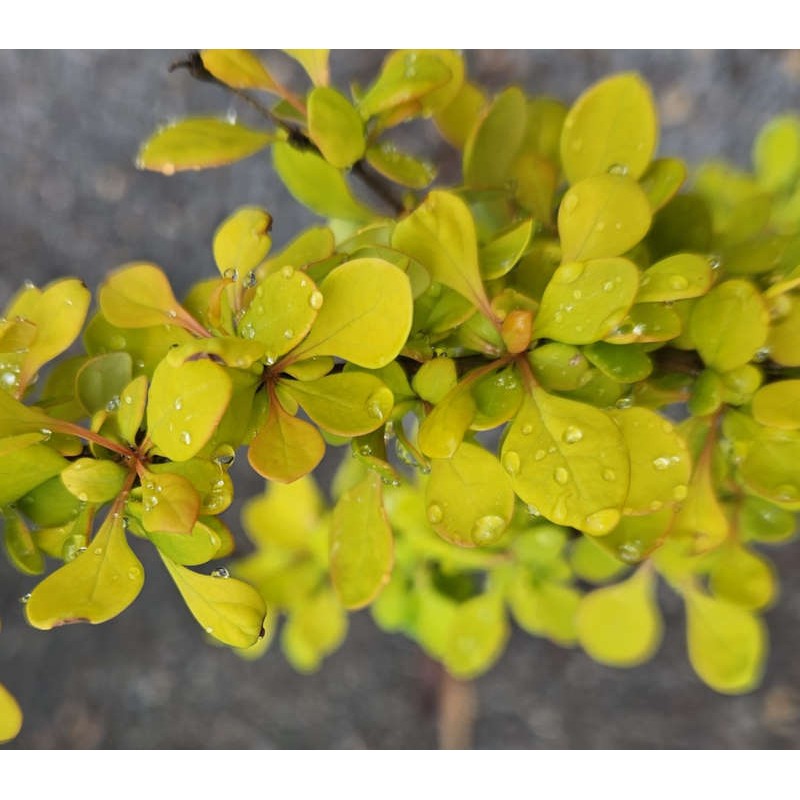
(571, 377)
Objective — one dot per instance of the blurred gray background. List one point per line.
(73, 203)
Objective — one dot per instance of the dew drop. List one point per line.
(661, 463)
(231, 274)
(656, 505)
(600, 226)
(435, 513)
(539, 455)
(288, 333)
(714, 262)
(46, 433)
(608, 286)
(609, 475)
(618, 169)
(377, 402)
(287, 271)
(186, 437)
(629, 552)
(98, 551)
(570, 203)
(761, 355)
(24, 599)
(250, 280)
(511, 462)
(315, 300)
(561, 475)
(220, 572)
(572, 434)
(527, 428)
(128, 400)
(488, 529)
(224, 455)
(602, 521)
(209, 629)
(680, 491)
(577, 294)
(624, 402)
(83, 497)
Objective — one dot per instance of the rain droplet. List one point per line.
(288, 333)
(221, 572)
(488, 529)
(98, 551)
(609, 475)
(209, 629)
(511, 462)
(377, 402)
(570, 203)
(83, 497)
(714, 262)
(561, 475)
(602, 521)
(600, 226)
(435, 513)
(224, 455)
(572, 434)
(680, 491)
(661, 463)
(624, 402)
(46, 433)
(539, 455)
(315, 300)
(618, 169)
(287, 271)
(678, 282)
(127, 399)
(250, 280)
(186, 437)
(231, 274)
(24, 599)
(527, 428)
(761, 355)
(629, 553)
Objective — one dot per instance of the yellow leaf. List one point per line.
(96, 586)
(361, 544)
(226, 608)
(239, 69)
(171, 504)
(620, 625)
(315, 63)
(10, 716)
(242, 241)
(335, 127)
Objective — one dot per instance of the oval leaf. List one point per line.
(335, 127)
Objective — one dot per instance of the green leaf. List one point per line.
(171, 504)
(623, 363)
(132, 405)
(400, 167)
(769, 467)
(660, 463)
(501, 254)
(96, 586)
(612, 125)
(662, 180)
(208, 477)
(729, 324)
(226, 608)
(185, 406)
(314, 62)
(366, 314)
(311, 246)
(469, 497)
(620, 625)
(199, 143)
(778, 404)
(285, 448)
(591, 561)
(602, 216)
(435, 378)
(477, 636)
(457, 119)
(30, 467)
(198, 546)
(361, 544)
(743, 577)
(492, 147)
(559, 367)
(727, 644)
(406, 76)
(281, 312)
(49, 504)
(675, 278)
(347, 403)
(585, 301)
(544, 609)
(239, 69)
(440, 234)
(765, 522)
(497, 397)
(570, 462)
(100, 381)
(242, 241)
(776, 153)
(94, 481)
(23, 554)
(10, 716)
(313, 630)
(784, 336)
(442, 431)
(636, 538)
(335, 127)
(317, 184)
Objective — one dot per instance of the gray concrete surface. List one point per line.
(72, 203)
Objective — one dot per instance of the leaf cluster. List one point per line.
(571, 376)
